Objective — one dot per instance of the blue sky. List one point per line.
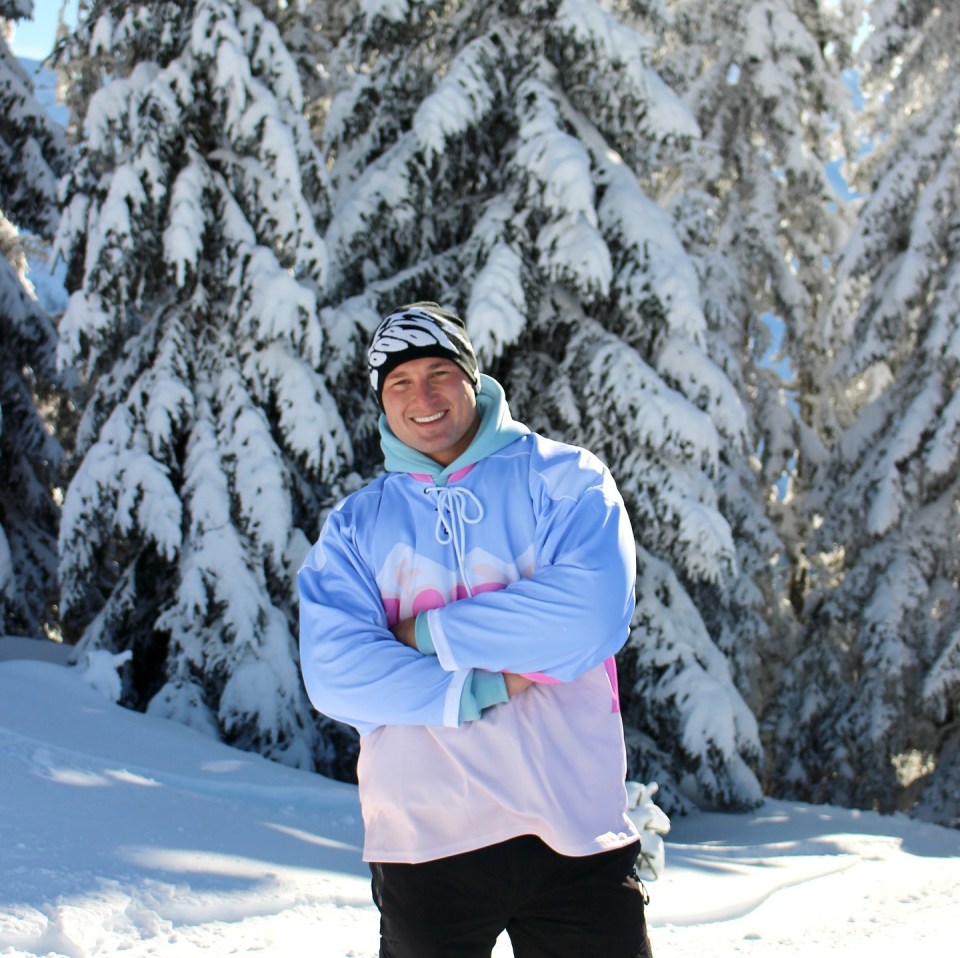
(34, 38)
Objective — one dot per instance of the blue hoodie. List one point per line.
(517, 557)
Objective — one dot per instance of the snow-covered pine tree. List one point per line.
(753, 208)
(875, 720)
(32, 155)
(492, 156)
(311, 30)
(209, 434)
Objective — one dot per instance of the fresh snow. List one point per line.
(122, 833)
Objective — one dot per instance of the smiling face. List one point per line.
(430, 404)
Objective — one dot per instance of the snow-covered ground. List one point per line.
(122, 834)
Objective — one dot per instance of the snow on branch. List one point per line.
(122, 486)
(556, 169)
(773, 26)
(461, 100)
(33, 151)
(879, 481)
(310, 421)
(277, 307)
(496, 313)
(146, 500)
(667, 450)
(685, 364)
(210, 541)
(896, 252)
(633, 395)
(649, 260)
(85, 328)
(271, 152)
(256, 466)
(704, 545)
(942, 450)
(383, 189)
(918, 418)
(113, 111)
(396, 11)
(656, 109)
(113, 227)
(270, 57)
(655, 260)
(691, 680)
(183, 237)
(898, 591)
(181, 700)
(168, 402)
(556, 164)
(572, 252)
(118, 489)
(256, 702)
(240, 93)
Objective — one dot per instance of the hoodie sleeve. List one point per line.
(353, 667)
(574, 611)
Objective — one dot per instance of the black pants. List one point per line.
(551, 906)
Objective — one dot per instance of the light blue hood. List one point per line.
(497, 429)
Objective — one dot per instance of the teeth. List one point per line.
(426, 419)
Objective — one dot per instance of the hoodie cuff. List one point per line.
(481, 691)
(422, 636)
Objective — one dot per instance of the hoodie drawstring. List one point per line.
(453, 516)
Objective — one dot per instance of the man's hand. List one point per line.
(515, 683)
(406, 632)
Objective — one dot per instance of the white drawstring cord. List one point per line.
(452, 519)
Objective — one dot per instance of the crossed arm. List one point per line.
(405, 632)
(569, 616)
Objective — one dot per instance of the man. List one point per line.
(462, 612)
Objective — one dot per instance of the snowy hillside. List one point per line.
(125, 834)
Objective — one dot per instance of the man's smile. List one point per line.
(427, 419)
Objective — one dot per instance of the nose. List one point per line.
(425, 390)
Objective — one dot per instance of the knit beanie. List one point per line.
(417, 331)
